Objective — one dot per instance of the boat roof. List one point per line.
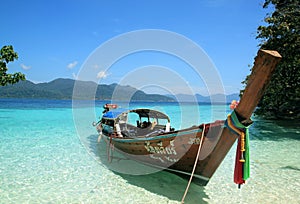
(150, 113)
(142, 112)
(114, 113)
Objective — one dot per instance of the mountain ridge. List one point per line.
(63, 88)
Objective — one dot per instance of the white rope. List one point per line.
(99, 137)
(195, 164)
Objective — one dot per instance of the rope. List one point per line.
(99, 137)
(100, 132)
(110, 149)
(195, 164)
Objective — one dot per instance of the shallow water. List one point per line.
(48, 155)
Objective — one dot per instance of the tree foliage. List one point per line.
(7, 54)
(282, 33)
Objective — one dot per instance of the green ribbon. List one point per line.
(236, 123)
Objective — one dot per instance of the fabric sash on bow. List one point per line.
(242, 160)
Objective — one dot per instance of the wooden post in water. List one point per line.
(264, 66)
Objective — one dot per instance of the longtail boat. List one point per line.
(147, 136)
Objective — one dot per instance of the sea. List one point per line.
(48, 155)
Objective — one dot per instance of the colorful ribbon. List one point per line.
(242, 161)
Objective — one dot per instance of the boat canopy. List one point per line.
(149, 113)
(113, 114)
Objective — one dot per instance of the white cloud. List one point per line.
(74, 76)
(102, 75)
(72, 65)
(96, 66)
(102, 66)
(25, 67)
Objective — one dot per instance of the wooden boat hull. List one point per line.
(176, 151)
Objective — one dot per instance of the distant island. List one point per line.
(63, 89)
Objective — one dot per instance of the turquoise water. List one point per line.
(47, 156)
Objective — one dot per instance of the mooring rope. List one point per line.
(195, 164)
(110, 148)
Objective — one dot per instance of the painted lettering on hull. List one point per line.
(160, 149)
(194, 141)
(163, 159)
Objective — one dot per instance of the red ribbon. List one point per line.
(238, 169)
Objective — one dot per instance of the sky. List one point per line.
(59, 38)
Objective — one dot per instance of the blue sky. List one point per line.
(55, 38)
